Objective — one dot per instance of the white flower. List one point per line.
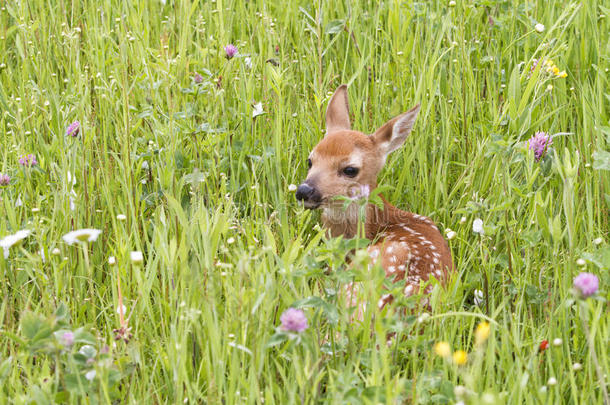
(423, 317)
(292, 187)
(90, 375)
(552, 381)
(56, 252)
(478, 297)
(581, 262)
(539, 27)
(121, 308)
(576, 366)
(459, 391)
(452, 3)
(248, 62)
(112, 260)
(463, 220)
(549, 87)
(477, 226)
(81, 236)
(121, 217)
(257, 110)
(136, 257)
(451, 235)
(543, 389)
(11, 240)
(231, 240)
(557, 342)
(598, 241)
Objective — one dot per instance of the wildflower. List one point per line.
(197, 78)
(81, 236)
(230, 51)
(292, 188)
(5, 179)
(477, 226)
(597, 241)
(463, 220)
(73, 129)
(460, 357)
(293, 320)
(581, 262)
(552, 381)
(55, 252)
(121, 310)
(539, 27)
(231, 240)
(112, 260)
(451, 235)
(452, 3)
(12, 240)
(136, 257)
(576, 366)
(478, 297)
(557, 342)
(481, 333)
(543, 345)
(28, 160)
(539, 143)
(459, 391)
(90, 375)
(586, 284)
(67, 339)
(442, 349)
(562, 74)
(257, 109)
(121, 217)
(423, 317)
(549, 87)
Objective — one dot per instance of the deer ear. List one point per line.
(337, 112)
(394, 132)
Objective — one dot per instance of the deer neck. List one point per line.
(344, 221)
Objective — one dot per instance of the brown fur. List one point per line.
(408, 246)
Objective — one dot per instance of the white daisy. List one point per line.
(81, 236)
(11, 240)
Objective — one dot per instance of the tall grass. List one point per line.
(204, 187)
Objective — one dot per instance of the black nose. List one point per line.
(304, 192)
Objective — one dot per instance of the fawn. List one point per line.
(407, 246)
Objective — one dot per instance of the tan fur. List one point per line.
(408, 246)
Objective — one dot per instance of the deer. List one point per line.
(408, 246)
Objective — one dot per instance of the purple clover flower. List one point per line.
(294, 320)
(539, 143)
(198, 78)
(73, 129)
(5, 179)
(230, 51)
(28, 160)
(67, 339)
(586, 284)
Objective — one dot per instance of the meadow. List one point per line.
(135, 122)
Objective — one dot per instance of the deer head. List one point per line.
(345, 160)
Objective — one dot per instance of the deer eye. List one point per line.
(350, 171)
(309, 163)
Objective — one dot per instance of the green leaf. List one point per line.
(601, 160)
(335, 26)
(329, 310)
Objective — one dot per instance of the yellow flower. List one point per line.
(562, 74)
(442, 349)
(481, 333)
(555, 70)
(549, 63)
(460, 357)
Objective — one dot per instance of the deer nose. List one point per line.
(304, 192)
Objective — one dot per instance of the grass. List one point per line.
(192, 171)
